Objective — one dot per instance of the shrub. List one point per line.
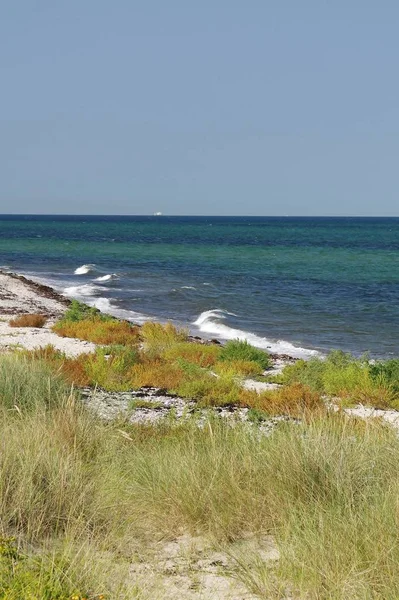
(99, 331)
(292, 400)
(110, 367)
(339, 374)
(200, 354)
(243, 368)
(211, 391)
(33, 320)
(158, 338)
(241, 350)
(387, 372)
(78, 311)
(156, 373)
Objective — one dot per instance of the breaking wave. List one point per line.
(106, 277)
(85, 290)
(84, 269)
(211, 322)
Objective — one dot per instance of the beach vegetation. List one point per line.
(98, 331)
(157, 373)
(88, 323)
(239, 367)
(26, 385)
(158, 338)
(347, 378)
(204, 355)
(30, 320)
(386, 372)
(80, 498)
(78, 311)
(295, 400)
(241, 350)
(110, 367)
(209, 390)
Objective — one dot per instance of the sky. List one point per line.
(217, 107)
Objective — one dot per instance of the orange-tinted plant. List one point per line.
(202, 355)
(33, 320)
(99, 331)
(157, 373)
(293, 400)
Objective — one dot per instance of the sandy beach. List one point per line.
(19, 296)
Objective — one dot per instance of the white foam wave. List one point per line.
(84, 269)
(210, 322)
(83, 290)
(188, 287)
(106, 277)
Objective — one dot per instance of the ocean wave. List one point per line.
(105, 305)
(188, 287)
(106, 277)
(210, 321)
(84, 269)
(85, 290)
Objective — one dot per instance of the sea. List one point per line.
(300, 286)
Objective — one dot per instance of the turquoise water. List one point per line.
(289, 284)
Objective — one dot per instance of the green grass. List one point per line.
(237, 350)
(77, 493)
(352, 379)
(29, 385)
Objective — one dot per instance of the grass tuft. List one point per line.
(32, 320)
(158, 338)
(202, 355)
(241, 350)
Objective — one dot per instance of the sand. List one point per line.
(19, 296)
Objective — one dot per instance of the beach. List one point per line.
(19, 296)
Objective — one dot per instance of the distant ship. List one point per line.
(157, 214)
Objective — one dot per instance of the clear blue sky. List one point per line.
(262, 107)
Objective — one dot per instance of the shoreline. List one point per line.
(42, 291)
(18, 296)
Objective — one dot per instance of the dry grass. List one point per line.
(32, 320)
(99, 331)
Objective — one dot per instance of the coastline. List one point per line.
(20, 295)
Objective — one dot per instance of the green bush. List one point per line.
(387, 371)
(78, 311)
(237, 350)
(338, 373)
(110, 367)
(158, 338)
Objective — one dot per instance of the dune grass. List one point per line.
(77, 493)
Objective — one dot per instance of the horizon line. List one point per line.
(199, 216)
